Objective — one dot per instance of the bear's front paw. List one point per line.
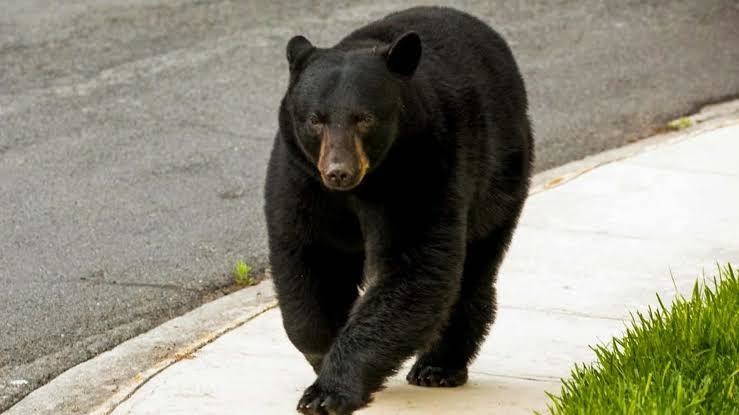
(330, 400)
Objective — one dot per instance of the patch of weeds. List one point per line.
(678, 360)
(680, 124)
(241, 273)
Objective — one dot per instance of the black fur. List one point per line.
(450, 150)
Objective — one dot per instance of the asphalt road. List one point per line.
(134, 136)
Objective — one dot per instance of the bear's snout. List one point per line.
(342, 161)
(339, 176)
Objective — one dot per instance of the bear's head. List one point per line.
(344, 104)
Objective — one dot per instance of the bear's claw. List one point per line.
(318, 400)
(435, 376)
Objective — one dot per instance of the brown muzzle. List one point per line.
(341, 160)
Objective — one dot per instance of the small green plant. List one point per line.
(680, 123)
(241, 273)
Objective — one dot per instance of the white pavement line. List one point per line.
(536, 378)
(550, 311)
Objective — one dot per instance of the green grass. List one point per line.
(241, 273)
(681, 360)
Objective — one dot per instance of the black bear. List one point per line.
(396, 180)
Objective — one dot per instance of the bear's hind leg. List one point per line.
(445, 363)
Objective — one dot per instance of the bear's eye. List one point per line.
(364, 120)
(314, 120)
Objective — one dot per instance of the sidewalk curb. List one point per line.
(186, 352)
(99, 385)
(708, 118)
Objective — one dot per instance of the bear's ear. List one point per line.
(404, 54)
(297, 49)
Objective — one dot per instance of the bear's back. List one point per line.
(453, 41)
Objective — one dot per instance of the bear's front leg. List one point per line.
(316, 287)
(406, 304)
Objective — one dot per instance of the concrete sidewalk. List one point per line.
(587, 253)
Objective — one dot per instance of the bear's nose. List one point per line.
(338, 175)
